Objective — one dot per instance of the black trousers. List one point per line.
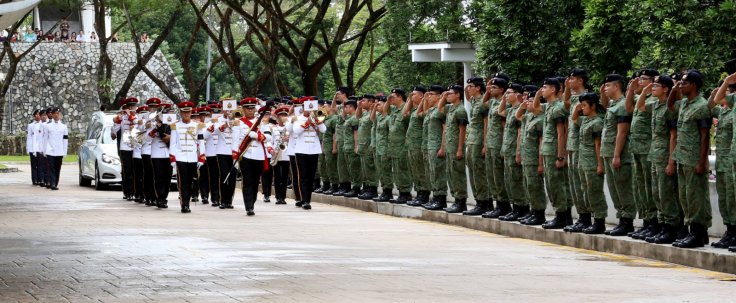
(307, 165)
(138, 178)
(213, 176)
(162, 178)
(149, 186)
(267, 181)
(185, 173)
(194, 188)
(295, 178)
(227, 184)
(54, 163)
(42, 168)
(126, 162)
(251, 170)
(280, 178)
(34, 168)
(204, 181)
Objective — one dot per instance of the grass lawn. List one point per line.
(27, 159)
(3, 166)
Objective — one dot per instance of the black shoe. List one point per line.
(215, 204)
(457, 207)
(318, 190)
(371, 193)
(698, 237)
(537, 218)
(230, 205)
(528, 216)
(185, 210)
(598, 227)
(502, 209)
(342, 189)
(625, 226)
(280, 201)
(385, 196)
(732, 249)
(149, 203)
(195, 199)
(265, 200)
(480, 208)
(560, 220)
(307, 206)
(223, 205)
(353, 193)
(250, 212)
(439, 203)
(205, 201)
(331, 190)
(728, 238)
(419, 200)
(579, 226)
(299, 204)
(654, 229)
(402, 199)
(642, 230)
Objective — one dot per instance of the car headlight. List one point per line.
(110, 159)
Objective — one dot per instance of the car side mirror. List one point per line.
(92, 142)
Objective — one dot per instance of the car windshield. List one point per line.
(106, 139)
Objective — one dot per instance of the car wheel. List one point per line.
(82, 180)
(98, 185)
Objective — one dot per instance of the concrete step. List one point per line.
(709, 258)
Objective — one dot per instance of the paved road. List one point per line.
(80, 245)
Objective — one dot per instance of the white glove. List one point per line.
(199, 165)
(173, 165)
(253, 135)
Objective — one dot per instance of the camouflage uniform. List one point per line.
(665, 187)
(456, 116)
(640, 143)
(437, 166)
(590, 130)
(574, 175)
(476, 163)
(330, 160)
(533, 126)
(383, 162)
(397, 149)
(348, 149)
(415, 152)
(618, 180)
(555, 179)
(724, 166)
(513, 173)
(366, 151)
(494, 160)
(342, 162)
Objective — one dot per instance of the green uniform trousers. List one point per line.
(383, 168)
(418, 169)
(353, 169)
(457, 178)
(665, 187)
(620, 189)
(401, 176)
(575, 180)
(725, 182)
(694, 196)
(534, 185)
(368, 168)
(437, 173)
(330, 174)
(592, 186)
(494, 175)
(556, 183)
(477, 171)
(343, 173)
(321, 168)
(643, 189)
(513, 175)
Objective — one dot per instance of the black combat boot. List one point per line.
(457, 207)
(342, 189)
(561, 219)
(402, 199)
(598, 227)
(385, 195)
(371, 193)
(529, 214)
(517, 213)
(502, 209)
(643, 229)
(579, 226)
(537, 218)
(322, 189)
(625, 226)
(728, 239)
(667, 235)
(418, 201)
(653, 230)
(481, 207)
(698, 237)
(331, 190)
(430, 202)
(439, 203)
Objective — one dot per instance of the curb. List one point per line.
(9, 170)
(708, 258)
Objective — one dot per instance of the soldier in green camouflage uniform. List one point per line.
(415, 151)
(398, 123)
(366, 151)
(664, 170)
(330, 158)
(343, 175)
(457, 121)
(554, 153)
(350, 147)
(383, 162)
(476, 162)
(513, 172)
(532, 163)
(618, 175)
(575, 85)
(586, 115)
(723, 111)
(435, 126)
(641, 138)
(693, 141)
(493, 141)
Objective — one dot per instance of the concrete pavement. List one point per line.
(81, 245)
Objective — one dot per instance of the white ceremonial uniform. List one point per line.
(184, 142)
(255, 150)
(307, 140)
(210, 139)
(280, 136)
(57, 143)
(30, 133)
(124, 126)
(224, 137)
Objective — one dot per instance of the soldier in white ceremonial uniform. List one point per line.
(139, 126)
(43, 164)
(254, 160)
(224, 133)
(280, 136)
(267, 176)
(290, 150)
(204, 171)
(185, 138)
(57, 143)
(210, 142)
(149, 191)
(308, 147)
(123, 124)
(162, 169)
(31, 133)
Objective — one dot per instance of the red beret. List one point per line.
(281, 110)
(142, 109)
(153, 101)
(128, 101)
(185, 106)
(264, 110)
(248, 101)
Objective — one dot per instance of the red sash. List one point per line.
(260, 138)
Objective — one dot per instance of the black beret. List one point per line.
(321, 102)
(649, 72)
(436, 88)
(530, 88)
(344, 90)
(353, 98)
(399, 91)
(562, 80)
(368, 96)
(579, 72)
(502, 76)
(613, 77)
(42, 112)
(517, 87)
(593, 97)
(500, 82)
(55, 110)
(476, 80)
(36, 112)
(457, 88)
(552, 81)
(419, 88)
(351, 102)
(694, 76)
(665, 80)
(381, 98)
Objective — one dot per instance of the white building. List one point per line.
(45, 16)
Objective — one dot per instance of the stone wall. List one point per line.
(64, 75)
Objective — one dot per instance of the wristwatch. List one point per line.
(560, 158)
